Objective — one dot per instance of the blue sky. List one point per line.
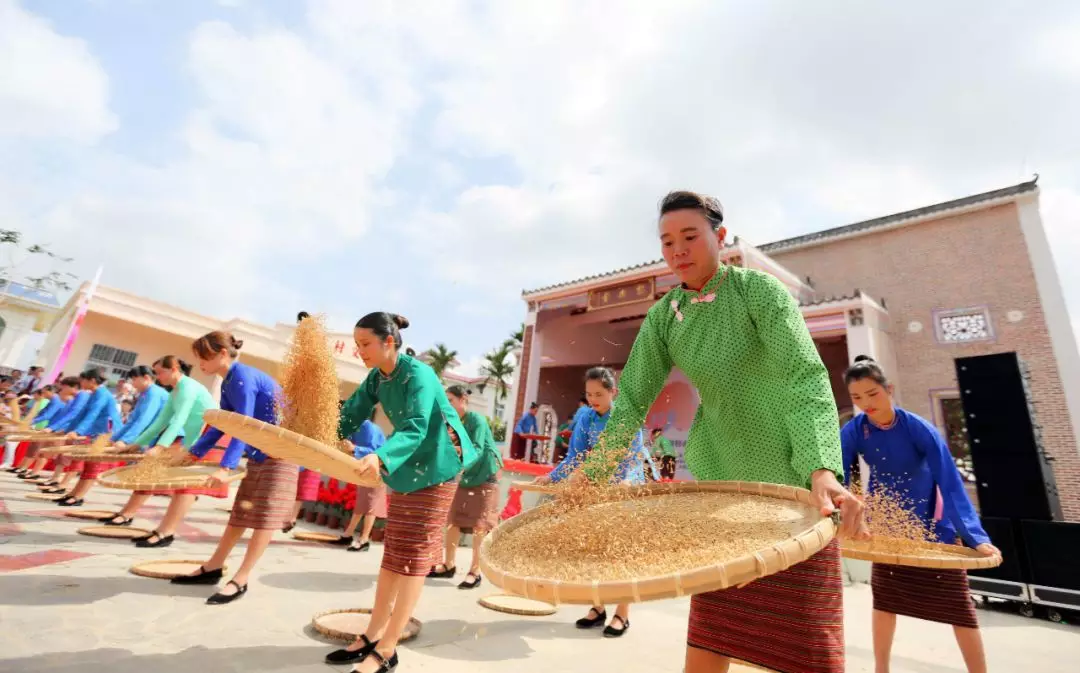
(253, 159)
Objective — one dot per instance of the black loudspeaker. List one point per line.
(1012, 471)
(1006, 535)
(1052, 549)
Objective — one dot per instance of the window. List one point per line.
(961, 326)
(113, 361)
(955, 429)
(500, 409)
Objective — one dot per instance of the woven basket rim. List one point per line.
(961, 558)
(85, 531)
(314, 536)
(87, 514)
(486, 602)
(47, 497)
(334, 634)
(140, 568)
(733, 572)
(289, 446)
(108, 480)
(533, 487)
(82, 452)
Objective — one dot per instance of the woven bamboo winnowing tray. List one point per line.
(170, 478)
(289, 446)
(167, 569)
(84, 452)
(36, 436)
(923, 555)
(517, 605)
(809, 535)
(347, 625)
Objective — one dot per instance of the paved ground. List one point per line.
(67, 603)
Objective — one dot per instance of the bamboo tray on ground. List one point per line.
(167, 569)
(167, 479)
(292, 447)
(806, 532)
(113, 532)
(921, 555)
(90, 514)
(348, 625)
(315, 536)
(48, 497)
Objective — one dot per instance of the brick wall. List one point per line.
(966, 260)
(526, 353)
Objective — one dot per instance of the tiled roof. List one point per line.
(594, 277)
(829, 300)
(825, 234)
(900, 217)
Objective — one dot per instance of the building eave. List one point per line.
(907, 218)
(936, 211)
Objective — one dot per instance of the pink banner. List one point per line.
(73, 331)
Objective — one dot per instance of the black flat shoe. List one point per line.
(136, 540)
(445, 573)
(204, 576)
(470, 585)
(51, 482)
(611, 632)
(70, 502)
(161, 541)
(385, 665)
(346, 656)
(116, 520)
(54, 490)
(359, 547)
(224, 599)
(288, 527)
(343, 541)
(587, 622)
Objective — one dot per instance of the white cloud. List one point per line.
(50, 84)
(796, 115)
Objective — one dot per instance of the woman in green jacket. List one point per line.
(419, 463)
(174, 429)
(476, 503)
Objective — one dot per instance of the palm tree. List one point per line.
(440, 358)
(517, 338)
(497, 369)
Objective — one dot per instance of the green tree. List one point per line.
(498, 429)
(440, 358)
(517, 338)
(497, 370)
(16, 253)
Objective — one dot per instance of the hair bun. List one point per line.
(401, 321)
(864, 358)
(237, 343)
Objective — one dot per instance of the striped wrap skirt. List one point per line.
(371, 501)
(790, 622)
(475, 508)
(413, 539)
(307, 486)
(266, 495)
(32, 450)
(924, 593)
(212, 456)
